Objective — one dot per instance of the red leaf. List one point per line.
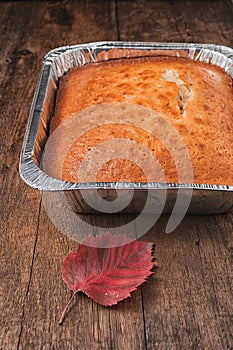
(108, 275)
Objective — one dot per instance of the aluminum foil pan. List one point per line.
(82, 197)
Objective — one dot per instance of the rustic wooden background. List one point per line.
(188, 302)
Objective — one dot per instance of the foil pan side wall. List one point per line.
(57, 62)
(201, 202)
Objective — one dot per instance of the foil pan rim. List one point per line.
(41, 182)
(228, 51)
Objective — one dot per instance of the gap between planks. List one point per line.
(30, 276)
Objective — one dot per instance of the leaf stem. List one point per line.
(66, 307)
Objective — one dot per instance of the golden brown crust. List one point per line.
(195, 97)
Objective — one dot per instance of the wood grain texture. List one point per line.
(176, 21)
(192, 286)
(188, 302)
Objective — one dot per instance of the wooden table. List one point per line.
(188, 302)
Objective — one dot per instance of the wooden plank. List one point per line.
(176, 21)
(191, 291)
(36, 306)
(28, 31)
(19, 204)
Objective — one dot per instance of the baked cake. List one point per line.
(194, 98)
